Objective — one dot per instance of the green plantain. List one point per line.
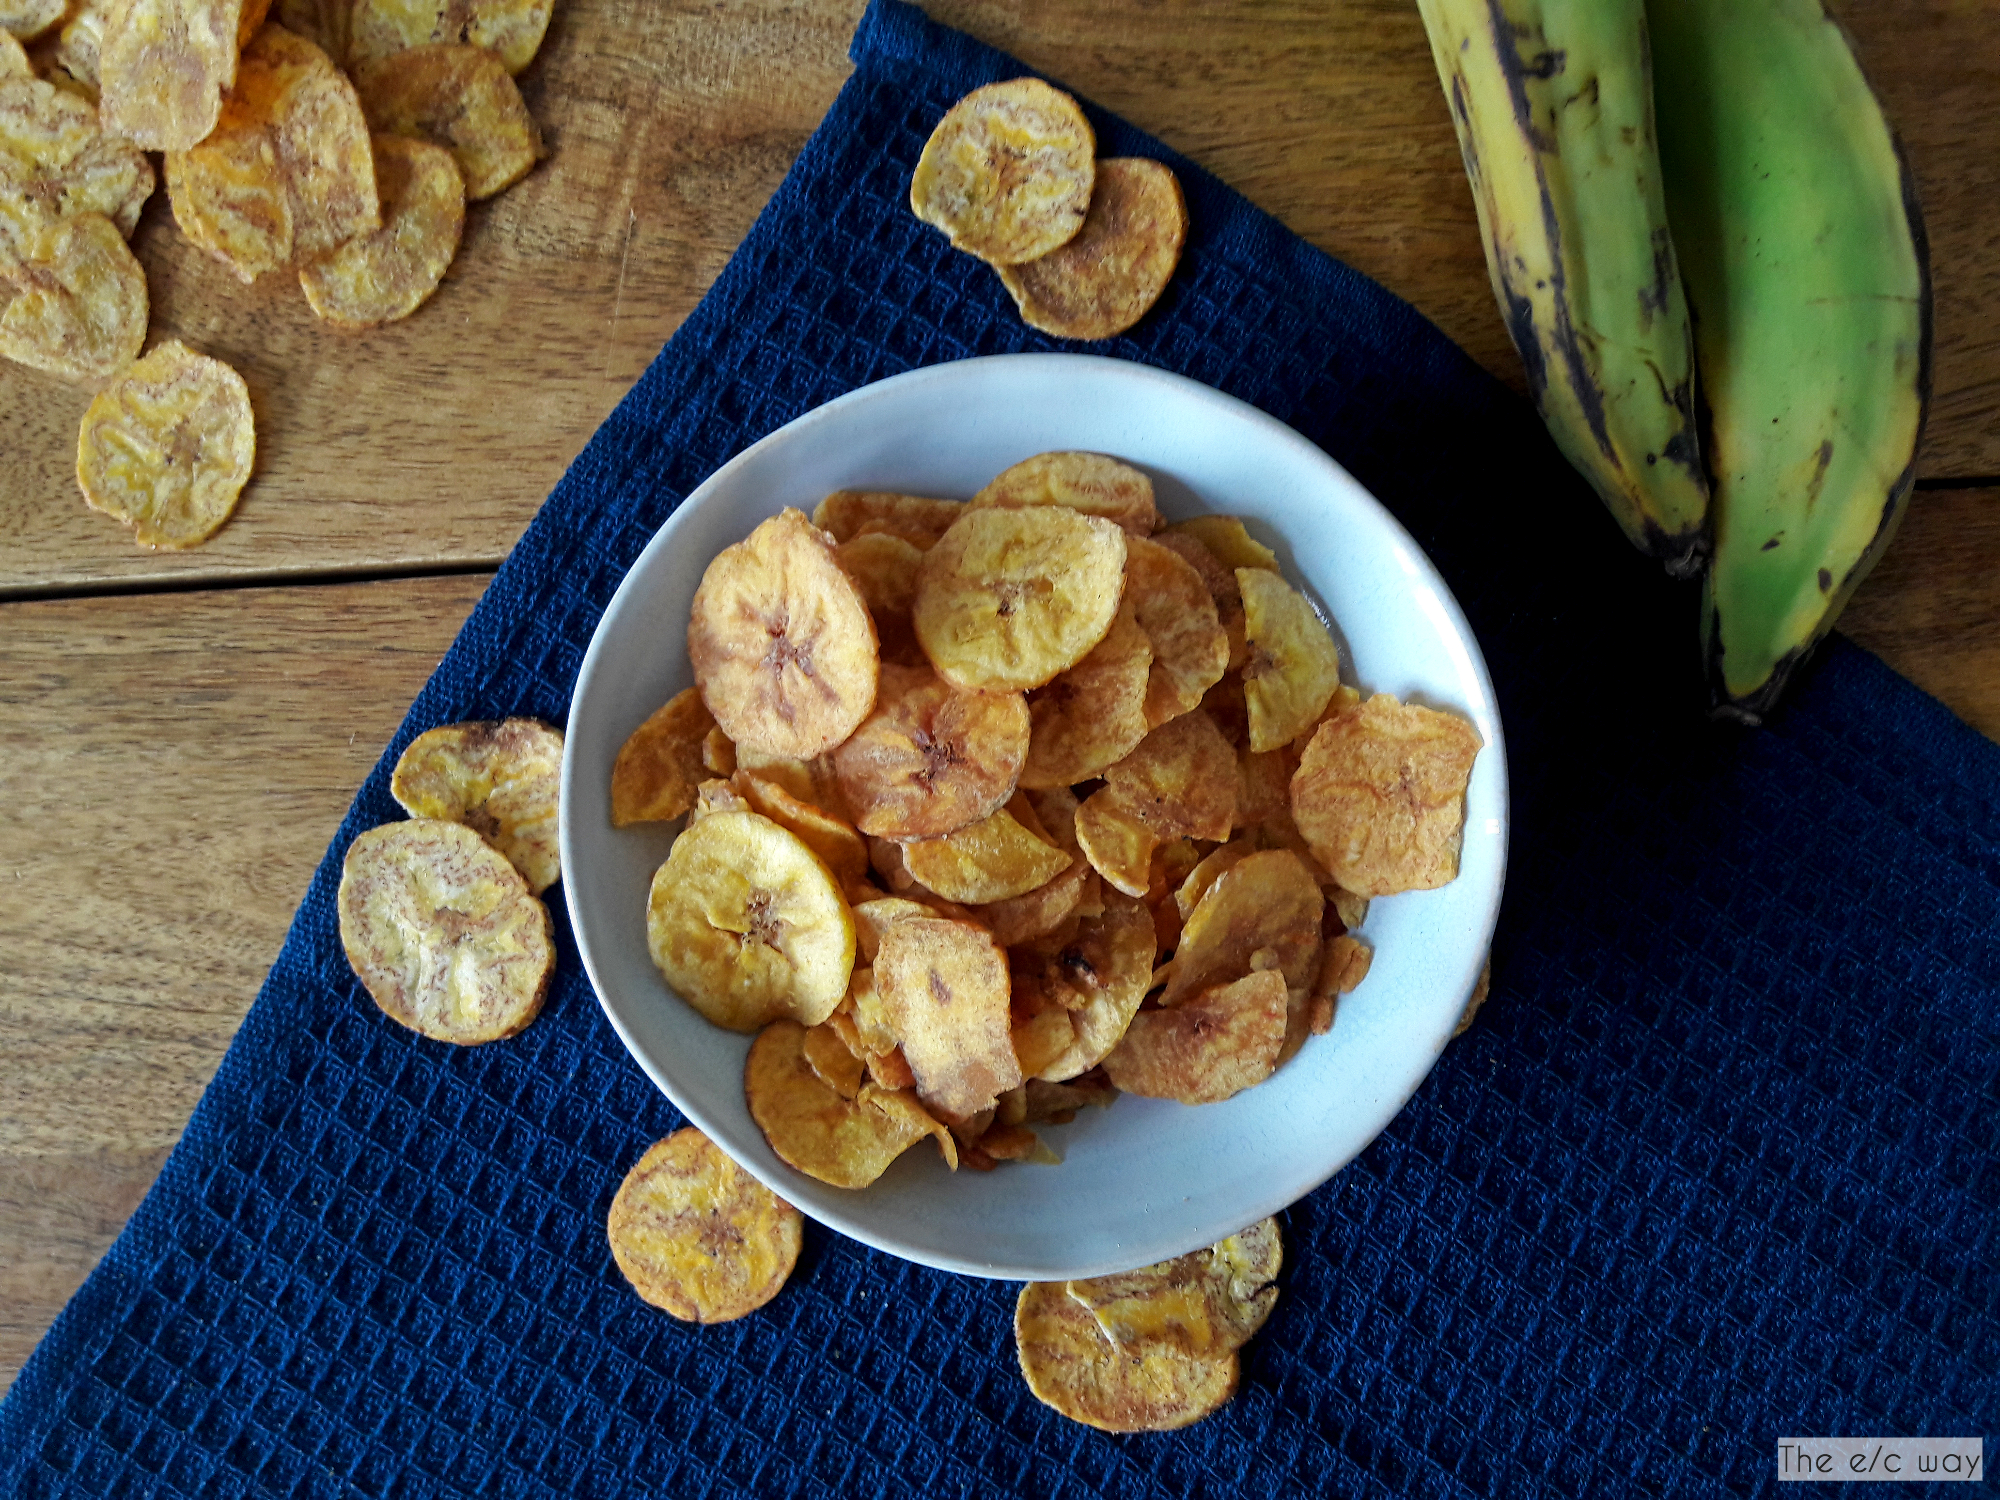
(1554, 109)
(1805, 264)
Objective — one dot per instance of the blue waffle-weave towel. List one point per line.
(1716, 1165)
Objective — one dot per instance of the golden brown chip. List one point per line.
(443, 932)
(1070, 1365)
(714, 797)
(1041, 1040)
(1107, 277)
(164, 67)
(24, 20)
(661, 765)
(511, 28)
(699, 1237)
(884, 567)
(832, 839)
(944, 987)
(1228, 541)
(288, 174)
(1041, 911)
(1175, 609)
(1218, 862)
(1009, 598)
(1343, 966)
(1181, 780)
(1057, 1103)
(782, 645)
(1476, 999)
(1266, 904)
(828, 1055)
(461, 98)
(1099, 976)
(845, 1143)
(1218, 1043)
(871, 917)
(1007, 174)
(900, 1102)
(499, 779)
(917, 519)
(994, 859)
(168, 446)
(807, 780)
(324, 23)
(1266, 784)
(56, 163)
(748, 924)
(1118, 843)
(1095, 713)
(931, 758)
(1380, 795)
(1294, 667)
(380, 277)
(1091, 483)
(1220, 583)
(79, 306)
(1209, 1302)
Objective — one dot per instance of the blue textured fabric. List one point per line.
(1716, 1164)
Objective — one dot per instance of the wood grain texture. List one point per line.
(173, 768)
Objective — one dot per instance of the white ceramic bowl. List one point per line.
(1144, 1179)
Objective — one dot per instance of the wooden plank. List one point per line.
(173, 768)
(435, 440)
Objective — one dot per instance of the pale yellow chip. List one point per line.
(870, 918)
(1209, 1302)
(1118, 843)
(1094, 484)
(1007, 173)
(1100, 975)
(288, 173)
(994, 859)
(55, 163)
(1094, 714)
(13, 56)
(916, 519)
(387, 275)
(168, 446)
(1380, 795)
(845, 1143)
(79, 300)
(699, 1237)
(513, 29)
(24, 20)
(661, 766)
(501, 779)
(832, 839)
(1181, 780)
(1071, 1366)
(826, 1051)
(1267, 904)
(443, 933)
(164, 67)
(1177, 612)
(943, 986)
(884, 567)
(1109, 276)
(1294, 667)
(1009, 598)
(461, 98)
(783, 647)
(748, 924)
(1212, 1045)
(1212, 866)
(1228, 541)
(932, 758)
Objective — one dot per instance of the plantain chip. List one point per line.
(1267, 903)
(748, 924)
(55, 163)
(386, 275)
(1071, 1366)
(1093, 484)
(1009, 598)
(165, 67)
(1228, 541)
(884, 567)
(1215, 1044)
(1206, 1303)
(499, 779)
(13, 56)
(1099, 976)
(461, 98)
(826, 1052)
(512, 29)
(1109, 276)
(832, 839)
(1212, 866)
(443, 933)
(1039, 912)
(783, 648)
(994, 859)
(662, 764)
(288, 173)
(1177, 612)
(845, 1143)
(1380, 795)
(870, 918)
(1343, 965)
(1181, 780)
(1221, 585)
(168, 446)
(1095, 713)
(699, 1237)
(944, 988)
(324, 23)
(24, 20)
(79, 306)
(899, 1101)
(1118, 843)
(932, 758)
(1057, 1103)
(1294, 667)
(1007, 173)
(916, 519)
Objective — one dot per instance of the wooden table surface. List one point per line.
(180, 733)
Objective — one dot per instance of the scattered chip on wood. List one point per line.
(1007, 173)
(167, 447)
(1099, 976)
(1228, 540)
(1208, 1302)
(55, 163)
(1071, 1366)
(1181, 780)
(501, 779)
(944, 987)
(1267, 903)
(443, 932)
(24, 20)
(461, 98)
(1009, 598)
(662, 764)
(699, 1237)
(1294, 667)
(931, 758)
(1094, 484)
(1094, 714)
(1210, 1046)
(164, 68)
(1109, 276)
(832, 839)
(1380, 795)
(845, 1143)
(79, 300)
(513, 29)
(994, 859)
(1177, 612)
(748, 924)
(783, 647)
(388, 274)
(917, 519)
(884, 567)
